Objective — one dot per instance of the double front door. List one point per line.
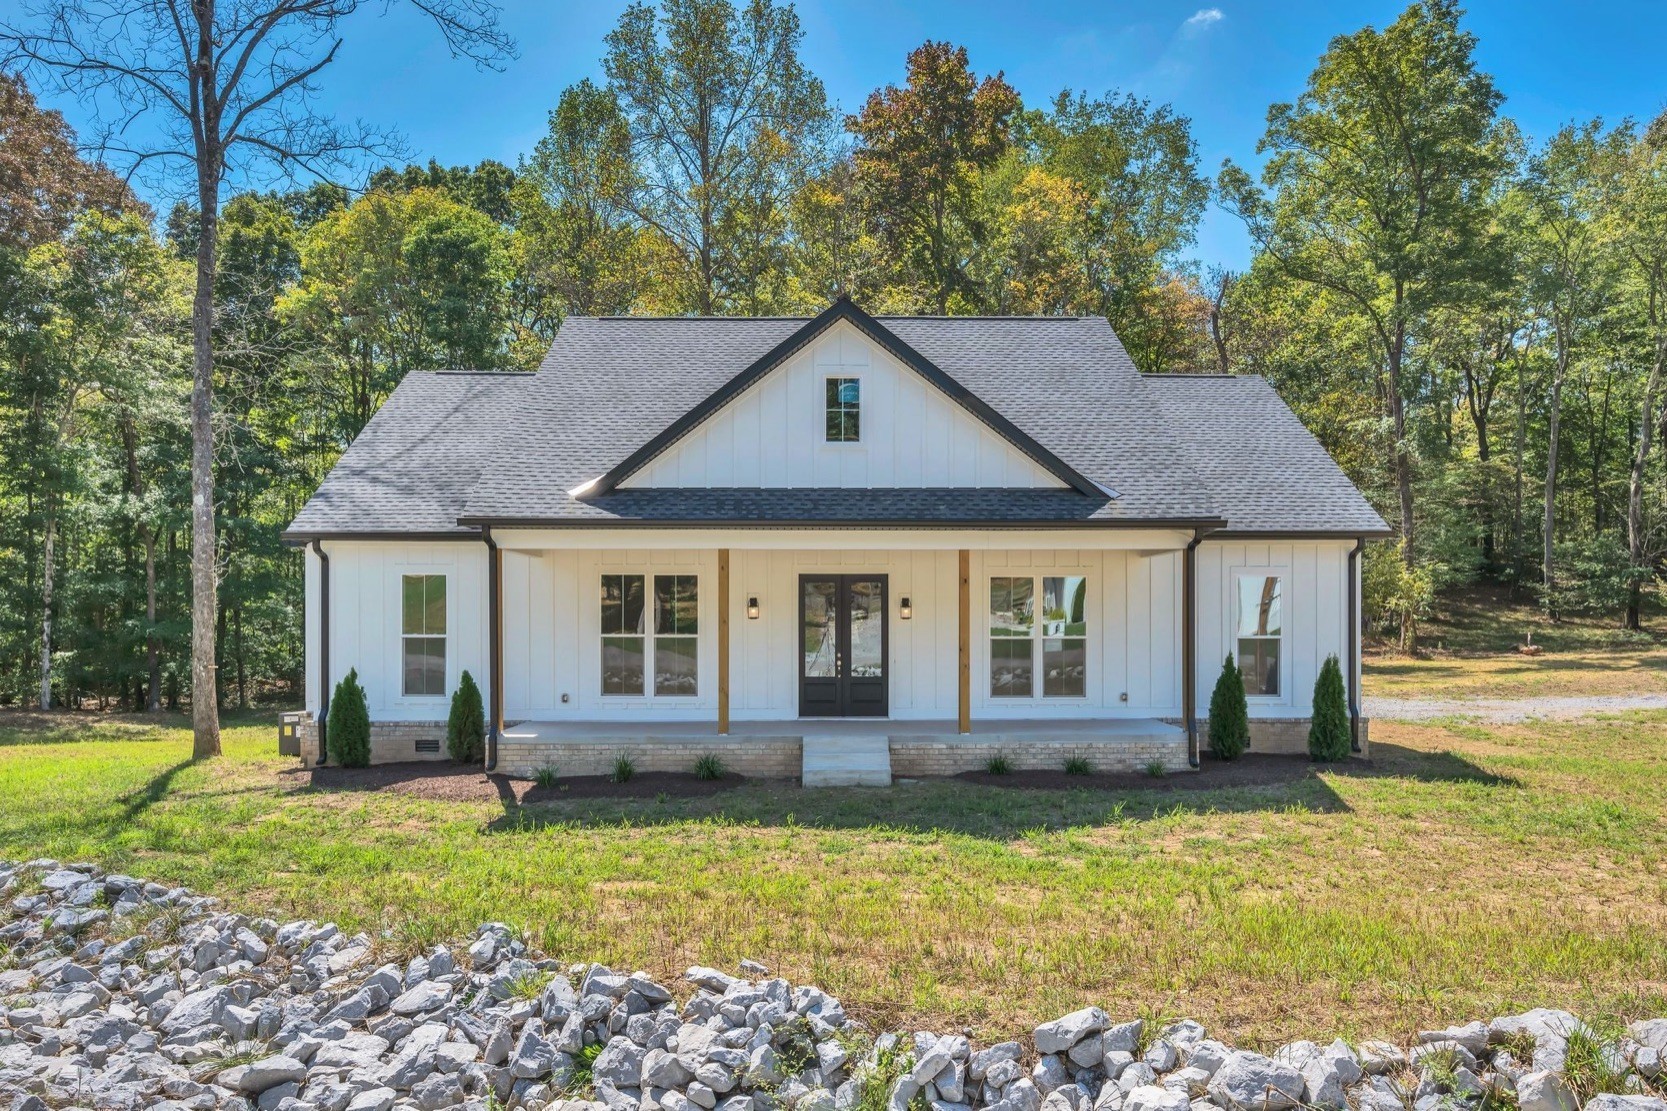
(842, 637)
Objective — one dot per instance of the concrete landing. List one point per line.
(843, 760)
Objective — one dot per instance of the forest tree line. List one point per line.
(1472, 320)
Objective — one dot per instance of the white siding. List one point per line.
(774, 434)
(552, 616)
(552, 647)
(552, 636)
(1314, 597)
(365, 620)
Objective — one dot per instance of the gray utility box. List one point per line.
(289, 734)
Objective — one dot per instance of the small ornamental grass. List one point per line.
(999, 764)
(545, 777)
(624, 769)
(1155, 769)
(1078, 765)
(709, 766)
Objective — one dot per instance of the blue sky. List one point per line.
(1219, 62)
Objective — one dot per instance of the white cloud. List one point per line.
(1202, 18)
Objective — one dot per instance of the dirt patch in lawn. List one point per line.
(447, 782)
(1250, 770)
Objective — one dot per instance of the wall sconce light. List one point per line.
(905, 610)
(752, 607)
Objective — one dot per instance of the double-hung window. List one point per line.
(844, 410)
(423, 634)
(1260, 631)
(1018, 632)
(628, 658)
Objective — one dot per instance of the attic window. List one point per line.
(844, 410)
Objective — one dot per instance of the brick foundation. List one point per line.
(391, 742)
(911, 757)
(1283, 736)
(757, 757)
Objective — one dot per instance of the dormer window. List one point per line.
(844, 410)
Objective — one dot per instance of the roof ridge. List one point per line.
(660, 318)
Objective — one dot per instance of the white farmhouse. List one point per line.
(846, 546)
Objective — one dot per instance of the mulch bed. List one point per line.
(1250, 770)
(447, 782)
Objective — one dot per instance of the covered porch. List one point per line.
(849, 750)
(909, 642)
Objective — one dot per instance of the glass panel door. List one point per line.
(821, 629)
(842, 633)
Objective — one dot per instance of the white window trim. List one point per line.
(1283, 574)
(862, 416)
(1037, 678)
(405, 571)
(648, 696)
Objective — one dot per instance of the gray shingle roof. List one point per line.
(1260, 462)
(504, 448)
(412, 467)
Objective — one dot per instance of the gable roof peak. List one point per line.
(844, 309)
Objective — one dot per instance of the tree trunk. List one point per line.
(1403, 458)
(1635, 487)
(1553, 420)
(153, 647)
(47, 577)
(205, 713)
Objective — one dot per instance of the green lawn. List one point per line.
(1471, 870)
(1470, 649)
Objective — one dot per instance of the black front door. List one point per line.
(842, 636)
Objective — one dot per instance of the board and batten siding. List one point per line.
(552, 642)
(1315, 600)
(365, 620)
(552, 613)
(773, 435)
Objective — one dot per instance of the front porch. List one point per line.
(819, 751)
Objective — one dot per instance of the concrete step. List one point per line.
(846, 761)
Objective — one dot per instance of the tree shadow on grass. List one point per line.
(976, 804)
(998, 808)
(136, 803)
(1398, 761)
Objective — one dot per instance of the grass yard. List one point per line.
(1469, 650)
(1471, 870)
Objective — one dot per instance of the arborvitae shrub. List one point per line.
(1229, 713)
(347, 730)
(466, 727)
(1328, 731)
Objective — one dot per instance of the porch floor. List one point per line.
(1071, 730)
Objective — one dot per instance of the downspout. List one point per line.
(1354, 644)
(323, 647)
(494, 621)
(1189, 644)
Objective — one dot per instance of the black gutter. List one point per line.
(302, 539)
(1312, 534)
(1205, 524)
(323, 649)
(1354, 644)
(1189, 644)
(494, 619)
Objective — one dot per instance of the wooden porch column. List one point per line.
(965, 715)
(723, 641)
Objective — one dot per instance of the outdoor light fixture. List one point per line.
(752, 607)
(904, 609)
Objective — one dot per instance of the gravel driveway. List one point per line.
(1508, 709)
